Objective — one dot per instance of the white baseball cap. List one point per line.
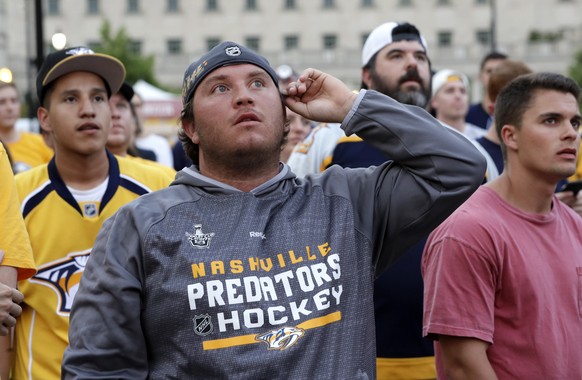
(445, 76)
(387, 33)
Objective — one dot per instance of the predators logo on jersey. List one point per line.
(281, 339)
(63, 276)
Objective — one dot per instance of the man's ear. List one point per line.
(366, 77)
(190, 129)
(43, 119)
(510, 136)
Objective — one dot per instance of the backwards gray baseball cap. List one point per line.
(224, 54)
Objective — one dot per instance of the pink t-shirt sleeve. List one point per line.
(462, 277)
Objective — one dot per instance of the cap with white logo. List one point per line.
(226, 53)
(80, 58)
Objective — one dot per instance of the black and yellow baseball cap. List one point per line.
(80, 58)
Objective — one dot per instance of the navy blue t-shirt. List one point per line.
(398, 292)
(477, 116)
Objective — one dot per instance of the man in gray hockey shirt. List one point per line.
(241, 270)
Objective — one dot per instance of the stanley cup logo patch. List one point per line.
(199, 239)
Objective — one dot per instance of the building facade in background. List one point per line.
(325, 34)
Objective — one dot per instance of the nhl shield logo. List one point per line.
(90, 209)
(233, 51)
(202, 324)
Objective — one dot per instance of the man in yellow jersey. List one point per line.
(16, 262)
(65, 201)
(26, 149)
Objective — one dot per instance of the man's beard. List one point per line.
(416, 98)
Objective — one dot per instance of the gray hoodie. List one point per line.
(201, 280)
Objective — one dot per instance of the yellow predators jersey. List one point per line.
(168, 170)
(62, 233)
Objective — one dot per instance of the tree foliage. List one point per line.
(575, 70)
(118, 45)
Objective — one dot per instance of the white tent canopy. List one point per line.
(158, 103)
(150, 92)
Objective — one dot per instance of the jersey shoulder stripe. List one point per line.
(137, 176)
(35, 198)
(133, 185)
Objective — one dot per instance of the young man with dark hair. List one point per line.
(65, 202)
(502, 273)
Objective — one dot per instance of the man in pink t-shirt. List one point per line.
(503, 274)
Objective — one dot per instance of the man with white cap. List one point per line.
(401, 72)
(65, 201)
(450, 101)
(395, 63)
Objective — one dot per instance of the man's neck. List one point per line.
(457, 123)
(491, 133)
(243, 180)
(82, 172)
(523, 191)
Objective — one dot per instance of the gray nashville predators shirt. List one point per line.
(201, 280)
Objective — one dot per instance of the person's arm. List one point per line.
(9, 311)
(433, 169)
(6, 356)
(14, 240)
(10, 298)
(465, 358)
